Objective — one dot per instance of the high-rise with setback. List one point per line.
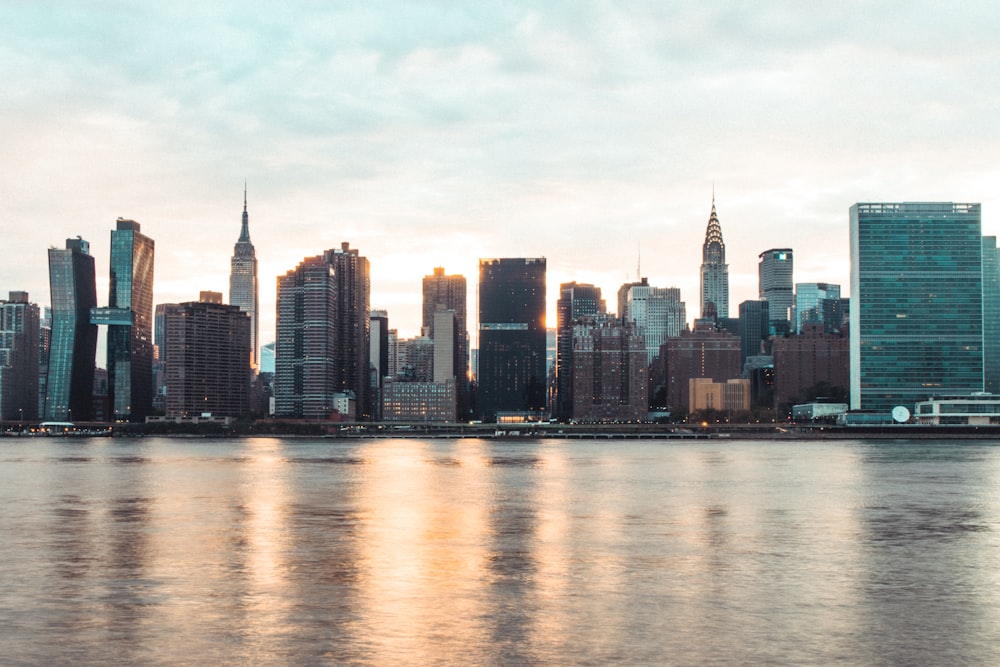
(714, 270)
(243, 284)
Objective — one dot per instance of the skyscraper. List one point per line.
(353, 350)
(813, 302)
(19, 320)
(575, 302)
(73, 343)
(714, 270)
(657, 311)
(208, 370)
(774, 272)
(129, 317)
(991, 315)
(754, 330)
(609, 371)
(511, 338)
(305, 378)
(446, 292)
(916, 327)
(243, 285)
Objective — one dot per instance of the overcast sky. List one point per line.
(437, 133)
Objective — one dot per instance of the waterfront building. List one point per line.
(702, 353)
(809, 366)
(714, 270)
(419, 401)
(243, 284)
(978, 409)
(129, 317)
(353, 328)
(991, 315)
(209, 370)
(73, 342)
(916, 324)
(512, 338)
(306, 374)
(730, 396)
(609, 371)
(19, 324)
(774, 271)
(818, 302)
(576, 301)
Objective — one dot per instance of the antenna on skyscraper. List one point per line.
(638, 262)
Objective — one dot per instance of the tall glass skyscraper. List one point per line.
(512, 336)
(991, 315)
(917, 312)
(129, 317)
(774, 274)
(813, 301)
(243, 287)
(73, 344)
(714, 270)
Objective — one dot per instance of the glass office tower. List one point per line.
(511, 338)
(916, 319)
(129, 317)
(73, 344)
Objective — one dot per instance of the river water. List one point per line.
(474, 552)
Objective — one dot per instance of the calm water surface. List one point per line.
(470, 552)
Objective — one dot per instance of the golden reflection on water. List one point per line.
(460, 552)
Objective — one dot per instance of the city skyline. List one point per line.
(430, 137)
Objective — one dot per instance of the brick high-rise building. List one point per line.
(703, 353)
(209, 369)
(609, 371)
(808, 362)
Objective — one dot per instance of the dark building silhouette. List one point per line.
(352, 354)
(19, 323)
(609, 370)
(754, 329)
(243, 284)
(379, 340)
(512, 338)
(576, 301)
(813, 365)
(209, 370)
(703, 353)
(73, 338)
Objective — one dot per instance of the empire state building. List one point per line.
(243, 283)
(714, 270)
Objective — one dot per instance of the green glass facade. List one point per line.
(73, 344)
(130, 346)
(991, 315)
(917, 312)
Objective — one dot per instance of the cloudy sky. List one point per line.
(433, 134)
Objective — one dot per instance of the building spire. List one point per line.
(245, 229)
